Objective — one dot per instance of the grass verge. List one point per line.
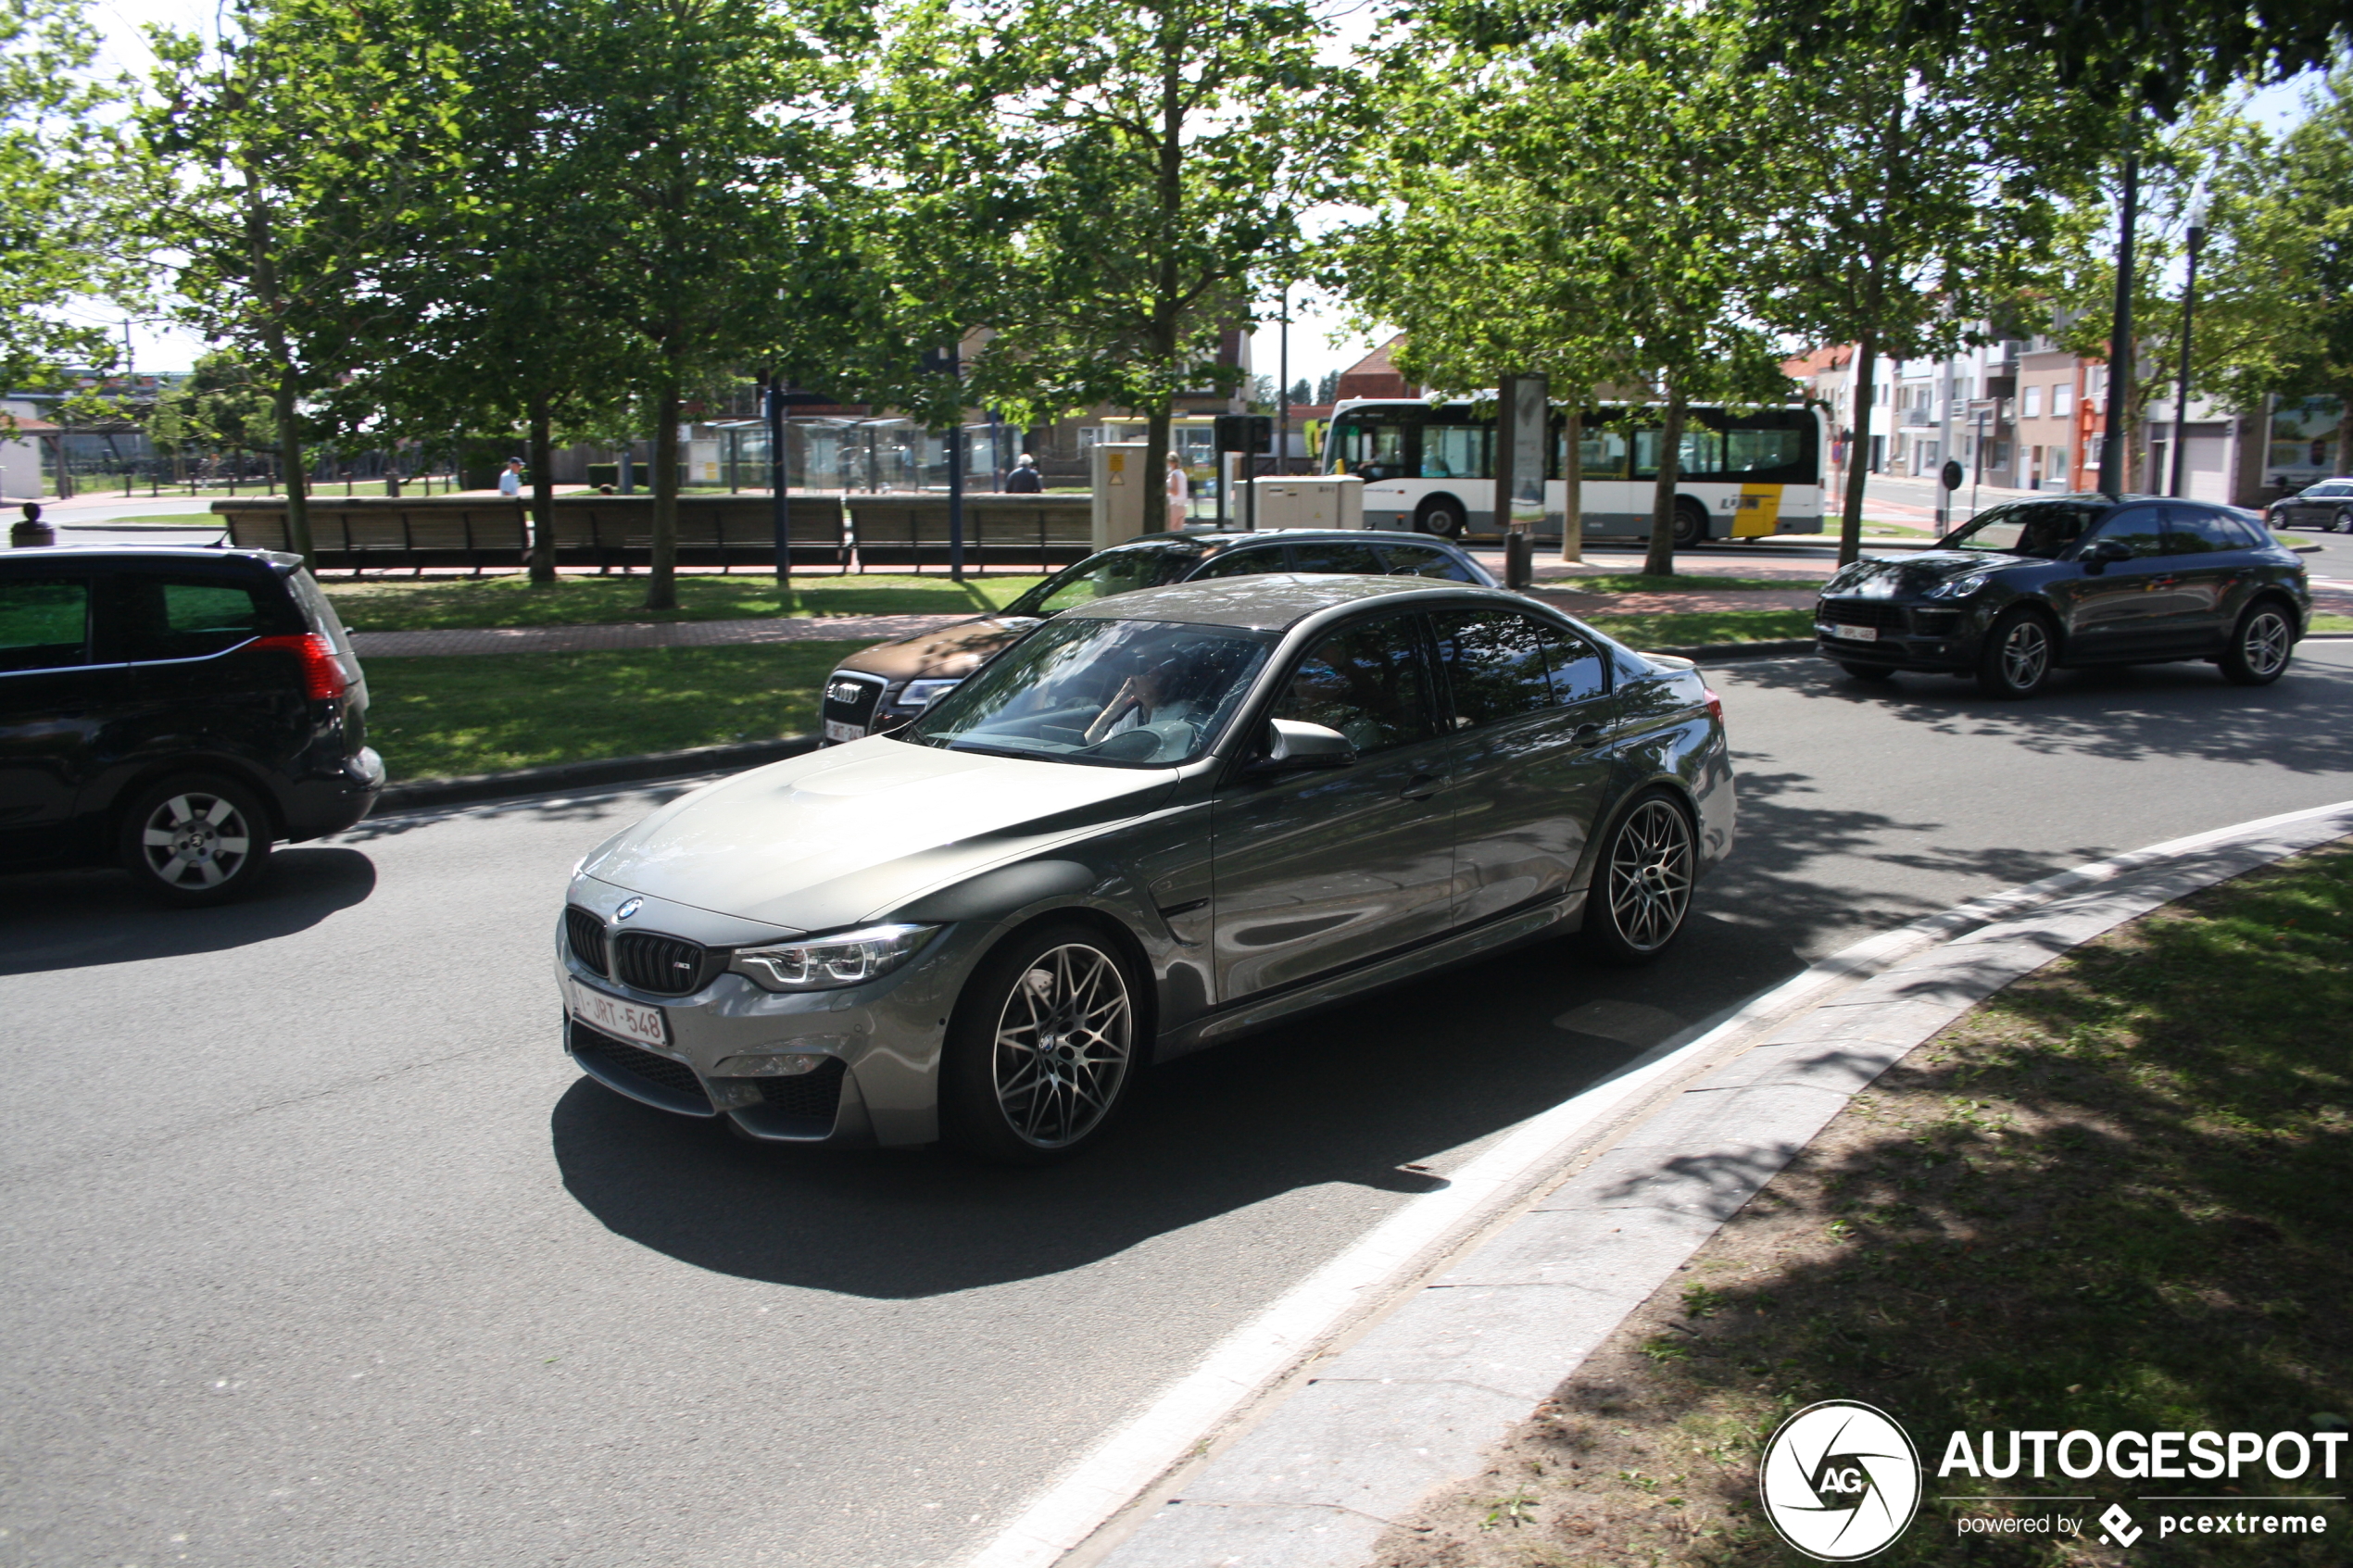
(441, 604)
(2331, 623)
(2112, 1198)
(433, 717)
(1694, 631)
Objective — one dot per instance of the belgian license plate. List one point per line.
(1855, 634)
(611, 1015)
(836, 730)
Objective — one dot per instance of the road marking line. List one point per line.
(1250, 1359)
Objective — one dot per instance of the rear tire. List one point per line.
(196, 840)
(1867, 672)
(1642, 889)
(2019, 656)
(2260, 646)
(2342, 522)
(1042, 1054)
(1443, 517)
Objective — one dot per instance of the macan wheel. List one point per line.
(196, 839)
(2260, 646)
(2019, 653)
(1042, 1053)
(1641, 881)
(1443, 517)
(2343, 521)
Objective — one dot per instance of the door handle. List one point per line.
(1586, 734)
(1421, 786)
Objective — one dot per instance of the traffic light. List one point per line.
(1245, 432)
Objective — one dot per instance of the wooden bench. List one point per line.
(606, 532)
(1039, 531)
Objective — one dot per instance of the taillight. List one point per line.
(1714, 705)
(323, 678)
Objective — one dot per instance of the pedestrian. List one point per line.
(1180, 489)
(31, 533)
(1025, 480)
(510, 482)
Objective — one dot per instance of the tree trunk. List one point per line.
(282, 404)
(1155, 476)
(543, 495)
(2345, 432)
(662, 577)
(1660, 562)
(1859, 448)
(1573, 487)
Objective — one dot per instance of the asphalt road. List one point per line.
(317, 1252)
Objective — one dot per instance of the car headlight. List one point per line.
(922, 694)
(824, 962)
(1959, 587)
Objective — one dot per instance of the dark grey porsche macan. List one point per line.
(2068, 582)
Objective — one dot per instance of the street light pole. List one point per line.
(781, 503)
(2120, 345)
(1282, 390)
(2189, 301)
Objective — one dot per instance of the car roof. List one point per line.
(1275, 602)
(200, 554)
(1226, 538)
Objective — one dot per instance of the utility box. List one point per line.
(1317, 500)
(1119, 482)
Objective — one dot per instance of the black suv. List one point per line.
(2071, 580)
(174, 711)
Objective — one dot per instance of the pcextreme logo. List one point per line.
(1840, 1481)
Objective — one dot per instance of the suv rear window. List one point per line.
(44, 625)
(189, 616)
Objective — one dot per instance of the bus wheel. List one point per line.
(1442, 515)
(1691, 525)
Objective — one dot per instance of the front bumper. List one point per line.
(873, 1050)
(1929, 637)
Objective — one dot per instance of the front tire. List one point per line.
(2342, 522)
(2259, 647)
(1042, 1054)
(1691, 525)
(196, 840)
(2020, 653)
(1443, 517)
(1641, 881)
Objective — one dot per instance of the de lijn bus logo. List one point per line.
(1840, 1481)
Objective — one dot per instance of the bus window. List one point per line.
(1747, 451)
(1702, 451)
(1604, 452)
(1371, 449)
(1458, 451)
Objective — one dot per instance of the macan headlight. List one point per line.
(823, 963)
(1959, 587)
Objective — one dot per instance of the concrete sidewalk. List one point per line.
(643, 635)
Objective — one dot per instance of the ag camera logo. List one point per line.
(1840, 1481)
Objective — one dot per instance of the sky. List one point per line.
(1321, 337)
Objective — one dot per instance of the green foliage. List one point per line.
(68, 177)
(217, 408)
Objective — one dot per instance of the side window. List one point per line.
(2219, 531)
(1495, 666)
(1243, 563)
(1457, 451)
(1368, 682)
(185, 618)
(1330, 556)
(2184, 537)
(44, 624)
(1424, 560)
(1578, 672)
(2140, 528)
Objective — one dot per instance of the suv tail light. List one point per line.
(323, 677)
(1714, 704)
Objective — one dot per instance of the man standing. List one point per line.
(510, 482)
(1025, 480)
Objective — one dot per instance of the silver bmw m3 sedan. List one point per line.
(1154, 825)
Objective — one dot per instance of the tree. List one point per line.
(302, 146)
(1166, 148)
(67, 178)
(1533, 216)
(218, 408)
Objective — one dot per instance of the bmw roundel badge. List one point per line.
(628, 907)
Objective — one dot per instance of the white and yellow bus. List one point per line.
(1429, 467)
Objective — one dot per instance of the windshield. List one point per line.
(1103, 575)
(2041, 528)
(1127, 693)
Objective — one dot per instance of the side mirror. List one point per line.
(2106, 553)
(1293, 746)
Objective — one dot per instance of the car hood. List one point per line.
(1891, 577)
(948, 653)
(836, 837)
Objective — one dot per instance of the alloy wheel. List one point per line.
(2026, 654)
(1650, 875)
(2265, 644)
(1065, 1038)
(196, 840)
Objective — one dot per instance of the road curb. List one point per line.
(1395, 1368)
(652, 767)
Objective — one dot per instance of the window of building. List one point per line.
(2058, 464)
(2031, 404)
(1997, 454)
(2062, 398)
